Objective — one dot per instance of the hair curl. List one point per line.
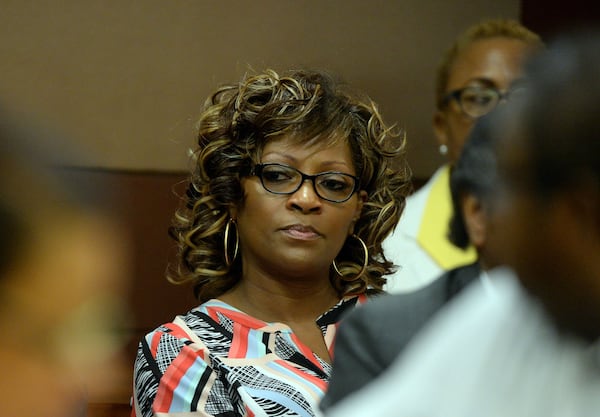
(308, 107)
(487, 29)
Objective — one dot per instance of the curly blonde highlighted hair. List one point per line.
(307, 107)
(487, 29)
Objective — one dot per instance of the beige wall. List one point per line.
(127, 78)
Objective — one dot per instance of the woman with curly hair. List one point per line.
(296, 182)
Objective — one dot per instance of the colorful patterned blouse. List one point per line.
(219, 361)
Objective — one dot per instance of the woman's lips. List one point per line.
(298, 231)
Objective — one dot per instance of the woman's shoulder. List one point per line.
(189, 325)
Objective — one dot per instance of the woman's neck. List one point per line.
(284, 302)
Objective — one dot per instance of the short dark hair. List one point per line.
(557, 117)
(474, 173)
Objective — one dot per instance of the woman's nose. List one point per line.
(305, 198)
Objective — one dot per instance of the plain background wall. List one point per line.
(128, 78)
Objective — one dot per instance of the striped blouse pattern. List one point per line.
(218, 361)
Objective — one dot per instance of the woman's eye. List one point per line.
(483, 99)
(478, 98)
(334, 184)
(274, 175)
(471, 98)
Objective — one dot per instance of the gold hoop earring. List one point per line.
(229, 261)
(365, 263)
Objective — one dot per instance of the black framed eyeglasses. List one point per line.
(476, 102)
(333, 186)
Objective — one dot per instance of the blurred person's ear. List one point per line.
(581, 203)
(475, 219)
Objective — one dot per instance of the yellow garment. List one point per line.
(433, 231)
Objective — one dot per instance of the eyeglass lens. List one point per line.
(282, 179)
(477, 102)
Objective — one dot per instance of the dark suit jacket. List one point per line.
(372, 336)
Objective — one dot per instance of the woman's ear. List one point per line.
(582, 204)
(362, 199)
(475, 220)
(440, 128)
